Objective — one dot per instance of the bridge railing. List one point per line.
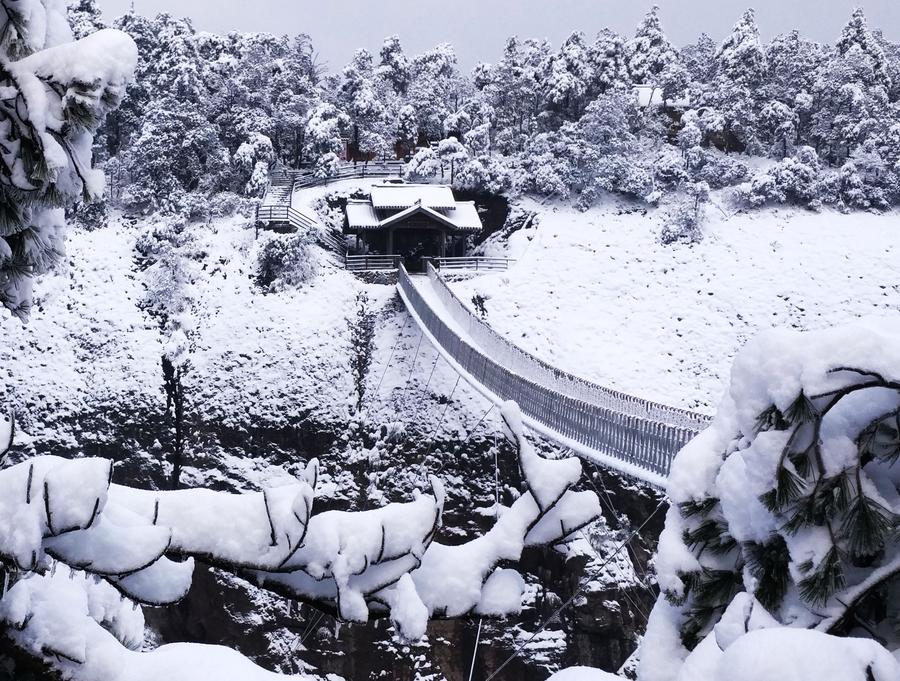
(478, 263)
(539, 371)
(643, 447)
(367, 263)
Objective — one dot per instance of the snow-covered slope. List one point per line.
(598, 295)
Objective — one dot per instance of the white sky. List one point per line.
(478, 28)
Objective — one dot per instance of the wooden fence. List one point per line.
(477, 263)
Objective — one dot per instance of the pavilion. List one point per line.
(412, 220)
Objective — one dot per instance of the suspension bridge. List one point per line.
(631, 435)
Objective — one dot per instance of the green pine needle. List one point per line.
(788, 488)
(825, 580)
(701, 507)
(770, 419)
(802, 410)
(769, 565)
(866, 527)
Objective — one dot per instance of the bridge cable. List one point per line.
(415, 357)
(605, 496)
(393, 350)
(475, 650)
(443, 414)
(571, 598)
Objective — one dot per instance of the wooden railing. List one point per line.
(477, 263)
(639, 445)
(369, 263)
(304, 178)
(291, 216)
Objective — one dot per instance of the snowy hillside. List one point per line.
(597, 294)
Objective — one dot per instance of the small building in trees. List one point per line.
(412, 220)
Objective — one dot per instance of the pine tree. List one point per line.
(856, 34)
(85, 18)
(46, 166)
(650, 51)
(741, 59)
(606, 59)
(394, 66)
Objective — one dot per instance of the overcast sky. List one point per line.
(478, 28)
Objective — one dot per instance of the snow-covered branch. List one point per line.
(58, 514)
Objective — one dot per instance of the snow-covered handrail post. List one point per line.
(384, 562)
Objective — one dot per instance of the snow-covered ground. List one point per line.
(598, 295)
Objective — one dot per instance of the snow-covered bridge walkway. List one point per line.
(626, 433)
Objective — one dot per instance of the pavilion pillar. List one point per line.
(390, 242)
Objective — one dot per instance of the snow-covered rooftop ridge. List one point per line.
(463, 216)
(394, 196)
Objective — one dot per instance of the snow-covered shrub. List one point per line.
(791, 495)
(863, 182)
(619, 174)
(226, 204)
(684, 223)
(284, 261)
(362, 339)
(669, 168)
(483, 175)
(720, 170)
(792, 180)
(90, 216)
(423, 165)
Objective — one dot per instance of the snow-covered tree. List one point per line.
(253, 158)
(424, 164)
(85, 18)
(55, 95)
(700, 58)
(324, 130)
(606, 59)
(451, 152)
(741, 60)
(649, 51)
(856, 35)
(790, 496)
(568, 77)
(394, 66)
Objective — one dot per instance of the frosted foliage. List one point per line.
(792, 495)
(423, 165)
(741, 57)
(55, 93)
(650, 51)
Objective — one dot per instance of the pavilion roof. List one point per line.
(389, 196)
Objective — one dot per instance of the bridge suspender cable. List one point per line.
(475, 651)
(575, 595)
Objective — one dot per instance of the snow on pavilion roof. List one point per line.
(462, 217)
(399, 196)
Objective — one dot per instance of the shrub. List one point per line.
(792, 180)
(284, 261)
